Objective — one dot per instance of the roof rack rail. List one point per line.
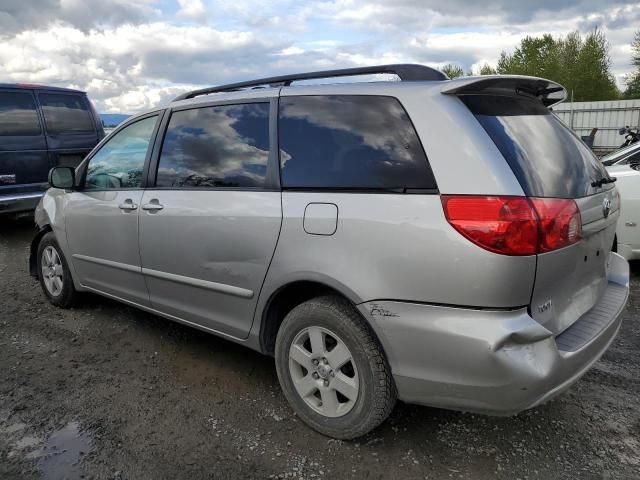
(405, 71)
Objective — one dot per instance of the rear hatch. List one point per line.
(550, 161)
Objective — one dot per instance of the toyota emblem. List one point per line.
(606, 207)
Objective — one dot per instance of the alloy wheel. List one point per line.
(323, 371)
(52, 271)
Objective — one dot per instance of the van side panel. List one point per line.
(393, 246)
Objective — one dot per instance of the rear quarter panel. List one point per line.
(390, 246)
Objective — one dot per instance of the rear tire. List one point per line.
(332, 369)
(54, 274)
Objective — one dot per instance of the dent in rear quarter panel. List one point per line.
(398, 247)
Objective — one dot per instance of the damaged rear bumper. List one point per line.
(491, 361)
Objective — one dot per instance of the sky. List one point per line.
(132, 55)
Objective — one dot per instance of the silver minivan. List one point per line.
(442, 242)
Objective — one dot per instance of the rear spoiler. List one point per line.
(548, 92)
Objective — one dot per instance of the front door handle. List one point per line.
(128, 205)
(153, 206)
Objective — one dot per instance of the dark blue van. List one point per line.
(40, 128)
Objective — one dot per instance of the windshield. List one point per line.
(547, 158)
(619, 154)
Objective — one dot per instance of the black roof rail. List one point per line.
(405, 71)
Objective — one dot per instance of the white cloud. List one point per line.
(193, 9)
(131, 54)
(292, 51)
(129, 67)
(17, 16)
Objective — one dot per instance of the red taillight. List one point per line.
(560, 222)
(514, 225)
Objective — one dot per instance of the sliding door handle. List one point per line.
(152, 206)
(128, 205)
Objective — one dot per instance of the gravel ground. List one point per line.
(107, 391)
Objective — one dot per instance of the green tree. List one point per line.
(452, 71)
(487, 69)
(581, 65)
(633, 79)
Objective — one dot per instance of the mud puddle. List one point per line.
(62, 453)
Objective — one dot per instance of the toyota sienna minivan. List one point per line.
(442, 242)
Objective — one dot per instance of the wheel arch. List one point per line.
(33, 251)
(285, 297)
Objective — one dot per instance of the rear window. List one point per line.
(546, 157)
(18, 114)
(350, 142)
(65, 113)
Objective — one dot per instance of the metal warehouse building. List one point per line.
(607, 117)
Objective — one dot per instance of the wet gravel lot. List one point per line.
(107, 391)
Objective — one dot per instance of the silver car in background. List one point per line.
(624, 156)
(442, 242)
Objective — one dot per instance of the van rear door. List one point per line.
(24, 165)
(550, 161)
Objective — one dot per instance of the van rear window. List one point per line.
(546, 157)
(65, 113)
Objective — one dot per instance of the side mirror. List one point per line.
(62, 177)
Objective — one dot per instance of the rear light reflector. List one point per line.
(514, 225)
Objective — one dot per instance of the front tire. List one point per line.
(54, 274)
(332, 369)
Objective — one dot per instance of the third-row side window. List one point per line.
(221, 146)
(350, 142)
(66, 113)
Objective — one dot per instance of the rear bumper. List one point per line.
(494, 362)
(19, 202)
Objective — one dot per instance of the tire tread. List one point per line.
(385, 395)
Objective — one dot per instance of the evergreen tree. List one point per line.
(633, 79)
(487, 69)
(581, 65)
(452, 71)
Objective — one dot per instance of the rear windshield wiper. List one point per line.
(603, 181)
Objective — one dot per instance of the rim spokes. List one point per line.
(339, 356)
(306, 386)
(298, 354)
(52, 271)
(323, 371)
(346, 386)
(57, 281)
(330, 403)
(316, 337)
